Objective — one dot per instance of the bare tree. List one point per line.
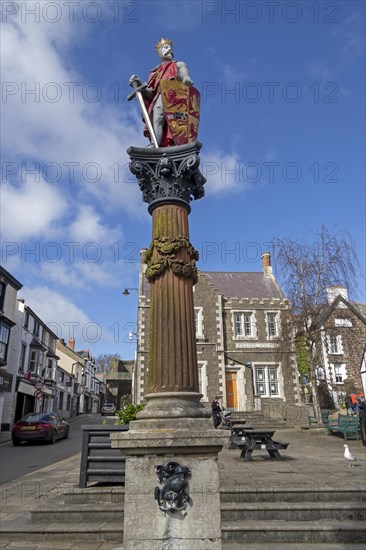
(105, 361)
(305, 271)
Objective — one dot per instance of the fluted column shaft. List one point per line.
(172, 359)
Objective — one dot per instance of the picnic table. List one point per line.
(253, 438)
(237, 431)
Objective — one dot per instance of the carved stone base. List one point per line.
(198, 526)
(173, 405)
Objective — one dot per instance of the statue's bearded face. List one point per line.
(166, 52)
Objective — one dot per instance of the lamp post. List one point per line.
(127, 292)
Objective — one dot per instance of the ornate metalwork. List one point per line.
(172, 496)
(168, 172)
(168, 248)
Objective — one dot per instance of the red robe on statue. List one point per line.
(165, 71)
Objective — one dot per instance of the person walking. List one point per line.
(216, 409)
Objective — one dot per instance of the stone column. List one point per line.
(174, 432)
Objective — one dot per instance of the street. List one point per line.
(29, 457)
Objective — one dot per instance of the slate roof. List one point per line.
(361, 307)
(244, 285)
(238, 285)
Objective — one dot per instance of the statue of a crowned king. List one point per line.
(170, 104)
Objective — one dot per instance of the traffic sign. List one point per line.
(38, 385)
(38, 394)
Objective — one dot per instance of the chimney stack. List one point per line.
(71, 343)
(266, 263)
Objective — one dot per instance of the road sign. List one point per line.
(38, 394)
(38, 385)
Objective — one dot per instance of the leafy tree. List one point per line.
(305, 271)
(106, 361)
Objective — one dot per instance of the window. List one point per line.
(266, 381)
(61, 400)
(198, 322)
(2, 295)
(335, 344)
(272, 324)
(4, 341)
(36, 328)
(244, 324)
(339, 372)
(51, 343)
(343, 323)
(36, 361)
(22, 357)
(26, 320)
(202, 379)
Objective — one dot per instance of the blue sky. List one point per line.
(282, 125)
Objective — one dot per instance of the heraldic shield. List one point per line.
(182, 110)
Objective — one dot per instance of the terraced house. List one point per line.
(244, 353)
(340, 348)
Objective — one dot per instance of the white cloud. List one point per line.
(60, 274)
(319, 71)
(61, 315)
(349, 35)
(30, 211)
(58, 124)
(223, 172)
(87, 227)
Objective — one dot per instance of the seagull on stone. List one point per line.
(351, 458)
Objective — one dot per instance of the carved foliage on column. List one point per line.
(168, 175)
(168, 248)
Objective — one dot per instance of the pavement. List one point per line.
(313, 460)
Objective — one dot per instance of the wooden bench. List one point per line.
(344, 424)
(325, 418)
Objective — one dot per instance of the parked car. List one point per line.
(108, 408)
(40, 427)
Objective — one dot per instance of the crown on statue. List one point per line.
(162, 42)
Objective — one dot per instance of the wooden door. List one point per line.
(231, 391)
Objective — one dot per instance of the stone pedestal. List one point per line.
(146, 527)
(172, 499)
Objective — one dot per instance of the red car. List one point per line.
(40, 427)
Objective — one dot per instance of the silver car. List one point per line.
(108, 408)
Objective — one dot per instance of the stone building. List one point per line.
(340, 347)
(9, 287)
(244, 354)
(35, 346)
(119, 383)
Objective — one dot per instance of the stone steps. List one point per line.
(292, 511)
(292, 546)
(295, 494)
(286, 519)
(272, 531)
(95, 495)
(80, 513)
(293, 516)
(75, 532)
(258, 420)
